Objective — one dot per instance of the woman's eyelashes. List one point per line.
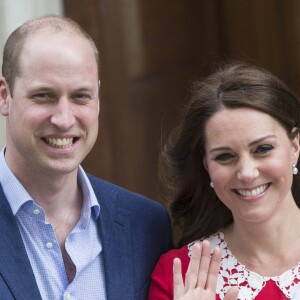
(264, 149)
(224, 157)
(261, 150)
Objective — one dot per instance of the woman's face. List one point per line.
(249, 158)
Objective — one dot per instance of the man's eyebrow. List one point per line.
(84, 89)
(39, 88)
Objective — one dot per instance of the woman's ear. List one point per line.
(205, 163)
(295, 144)
(4, 97)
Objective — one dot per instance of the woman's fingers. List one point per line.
(202, 275)
(232, 294)
(203, 269)
(191, 277)
(205, 263)
(214, 268)
(177, 279)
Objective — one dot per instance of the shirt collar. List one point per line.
(13, 189)
(88, 193)
(17, 195)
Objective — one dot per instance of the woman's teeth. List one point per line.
(254, 192)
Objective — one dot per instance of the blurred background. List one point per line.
(150, 52)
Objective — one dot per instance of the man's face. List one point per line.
(52, 117)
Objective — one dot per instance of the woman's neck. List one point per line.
(268, 248)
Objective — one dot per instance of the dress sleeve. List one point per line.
(161, 286)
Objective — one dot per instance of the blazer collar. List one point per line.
(116, 234)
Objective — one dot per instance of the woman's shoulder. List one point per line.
(181, 253)
(215, 239)
(184, 252)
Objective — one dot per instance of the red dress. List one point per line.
(232, 273)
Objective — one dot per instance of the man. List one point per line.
(64, 233)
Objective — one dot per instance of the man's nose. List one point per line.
(63, 116)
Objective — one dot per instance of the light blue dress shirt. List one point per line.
(83, 243)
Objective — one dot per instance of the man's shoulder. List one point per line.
(107, 191)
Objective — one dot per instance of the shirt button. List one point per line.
(67, 296)
(49, 245)
(36, 211)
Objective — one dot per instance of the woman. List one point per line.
(232, 167)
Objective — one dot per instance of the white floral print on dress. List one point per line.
(232, 273)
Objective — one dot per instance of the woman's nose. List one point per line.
(247, 170)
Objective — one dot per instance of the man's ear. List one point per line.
(99, 98)
(4, 97)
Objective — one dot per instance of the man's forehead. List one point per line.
(48, 33)
(37, 40)
(47, 40)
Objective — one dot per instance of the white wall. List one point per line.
(12, 14)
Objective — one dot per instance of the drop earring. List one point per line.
(294, 170)
(212, 185)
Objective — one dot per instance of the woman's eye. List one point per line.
(223, 157)
(262, 149)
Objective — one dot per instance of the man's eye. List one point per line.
(43, 96)
(224, 157)
(262, 149)
(82, 97)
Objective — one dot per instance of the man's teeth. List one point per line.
(60, 143)
(254, 192)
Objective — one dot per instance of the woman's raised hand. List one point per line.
(201, 277)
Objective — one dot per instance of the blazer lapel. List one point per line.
(116, 233)
(15, 267)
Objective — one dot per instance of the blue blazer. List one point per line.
(135, 232)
